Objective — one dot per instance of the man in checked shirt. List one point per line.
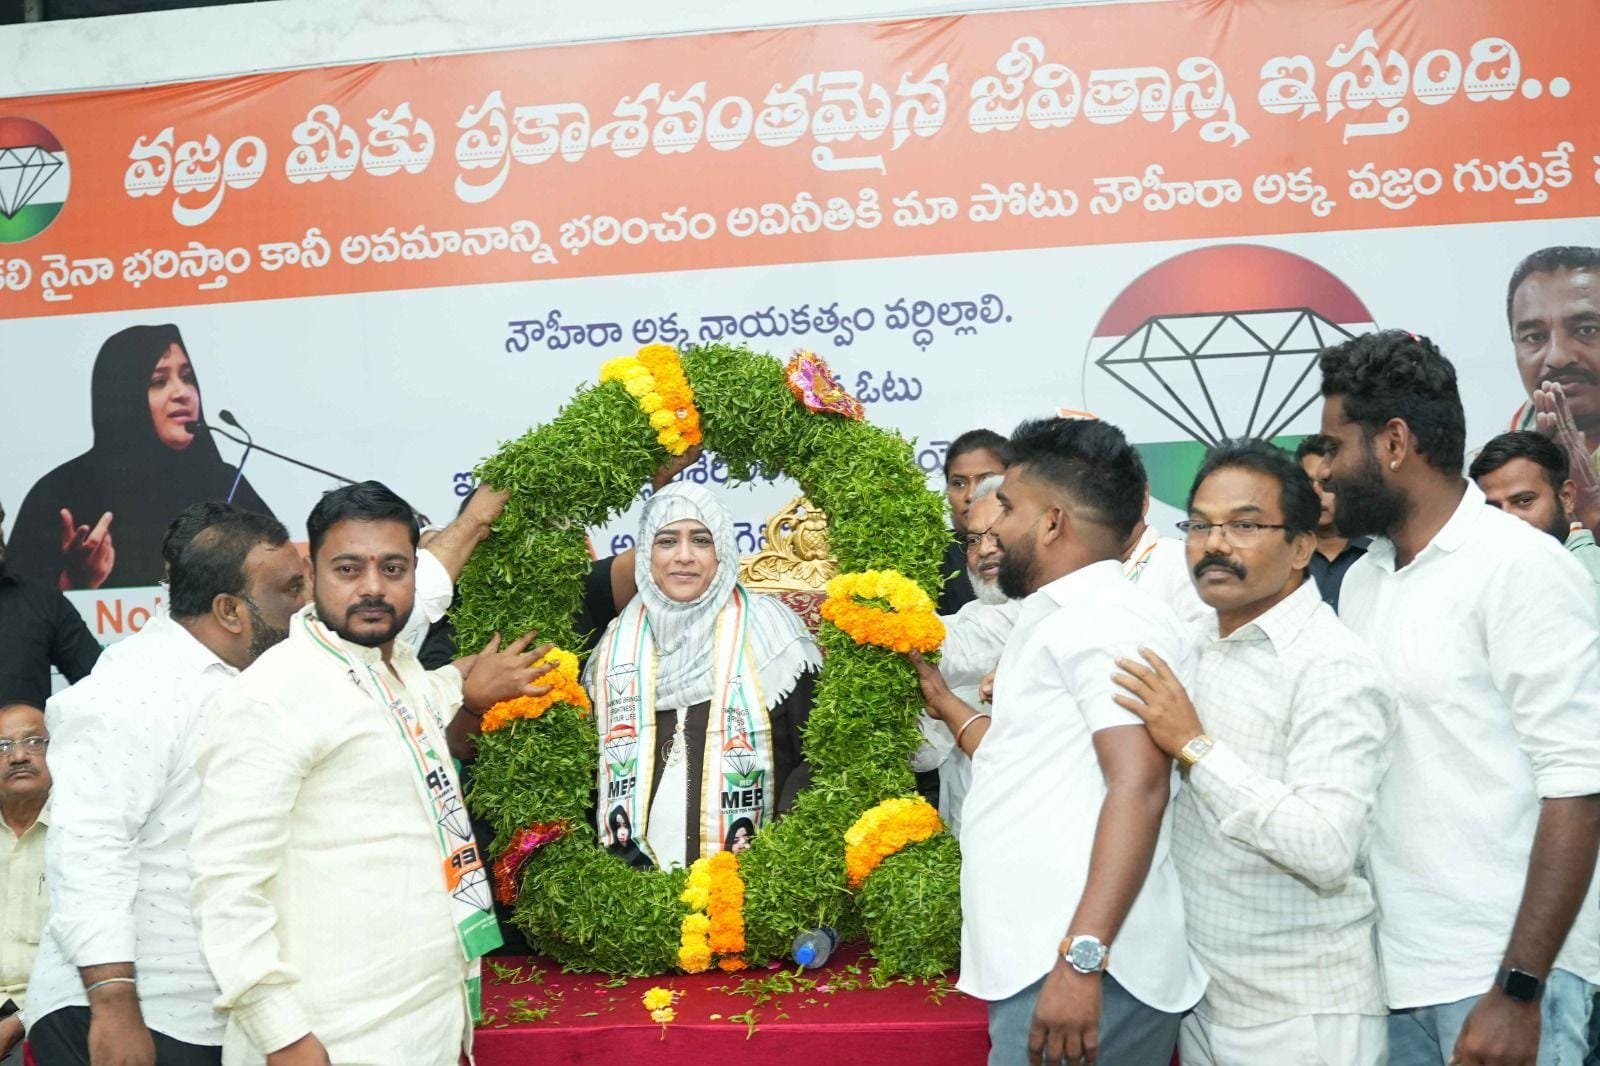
(1283, 744)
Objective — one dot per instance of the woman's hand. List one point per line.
(87, 555)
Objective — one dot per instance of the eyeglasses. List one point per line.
(975, 539)
(30, 745)
(1242, 531)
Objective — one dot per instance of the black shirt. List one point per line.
(1329, 574)
(958, 590)
(39, 629)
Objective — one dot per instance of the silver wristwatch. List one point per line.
(1086, 954)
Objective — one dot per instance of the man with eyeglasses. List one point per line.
(1283, 738)
(974, 638)
(120, 977)
(24, 792)
(973, 456)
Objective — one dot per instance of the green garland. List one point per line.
(590, 910)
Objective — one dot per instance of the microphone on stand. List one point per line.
(227, 416)
(251, 445)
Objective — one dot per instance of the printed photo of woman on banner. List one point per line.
(96, 521)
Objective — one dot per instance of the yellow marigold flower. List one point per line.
(638, 385)
(657, 997)
(663, 1015)
(884, 830)
(662, 419)
(650, 403)
(696, 924)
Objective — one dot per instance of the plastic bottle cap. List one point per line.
(805, 954)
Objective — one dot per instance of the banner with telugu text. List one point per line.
(1156, 212)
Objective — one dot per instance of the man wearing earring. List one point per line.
(1486, 826)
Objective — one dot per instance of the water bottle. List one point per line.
(812, 947)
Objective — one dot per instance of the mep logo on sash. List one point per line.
(34, 179)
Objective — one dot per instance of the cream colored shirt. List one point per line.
(318, 886)
(23, 906)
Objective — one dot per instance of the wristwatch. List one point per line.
(1196, 749)
(1085, 953)
(1520, 985)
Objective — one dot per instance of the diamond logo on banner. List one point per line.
(23, 172)
(35, 176)
(1226, 374)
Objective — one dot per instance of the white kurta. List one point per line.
(318, 885)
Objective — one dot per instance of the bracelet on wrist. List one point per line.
(968, 725)
(110, 981)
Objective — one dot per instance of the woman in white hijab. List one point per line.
(674, 778)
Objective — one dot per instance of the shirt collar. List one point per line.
(1280, 623)
(1069, 587)
(1452, 535)
(187, 646)
(1580, 538)
(358, 652)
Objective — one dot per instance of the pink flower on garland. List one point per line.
(814, 385)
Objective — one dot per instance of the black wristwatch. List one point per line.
(1520, 985)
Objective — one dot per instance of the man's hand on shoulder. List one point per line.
(307, 1051)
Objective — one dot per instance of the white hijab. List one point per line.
(780, 647)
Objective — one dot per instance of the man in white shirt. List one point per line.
(24, 900)
(1283, 745)
(974, 638)
(343, 903)
(1072, 918)
(1486, 827)
(1527, 475)
(119, 975)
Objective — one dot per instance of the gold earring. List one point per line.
(1394, 464)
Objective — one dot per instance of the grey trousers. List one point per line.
(1131, 1034)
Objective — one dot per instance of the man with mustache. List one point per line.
(1485, 828)
(972, 457)
(1078, 946)
(1525, 475)
(24, 793)
(119, 977)
(342, 900)
(1553, 309)
(1283, 743)
(974, 638)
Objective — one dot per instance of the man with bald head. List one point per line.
(119, 969)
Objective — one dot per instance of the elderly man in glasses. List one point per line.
(24, 791)
(1283, 740)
